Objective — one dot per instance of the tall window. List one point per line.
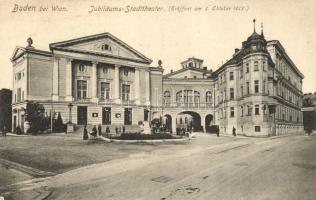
(256, 86)
(257, 110)
(248, 88)
(19, 94)
(247, 67)
(105, 90)
(231, 91)
(166, 96)
(241, 72)
(125, 92)
(256, 66)
(231, 75)
(242, 111)
(249, 110)
(264, 66)
(196, 97)
(264, 86)
(241, 91)
(208, 97)
(81, 89)
(232, 112)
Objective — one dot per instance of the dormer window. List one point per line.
(81, 67)
(106, 47)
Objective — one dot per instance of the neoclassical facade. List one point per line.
(99, 79)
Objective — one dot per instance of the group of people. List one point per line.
(94, 132)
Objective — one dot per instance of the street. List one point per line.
(207, 168)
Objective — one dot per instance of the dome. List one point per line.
(255, 36)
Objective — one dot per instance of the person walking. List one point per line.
(107, 131)
(94, 132)
(85, 133)
(99, 129)
(234, 131)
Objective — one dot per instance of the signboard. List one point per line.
(118, 115)
(94, 114)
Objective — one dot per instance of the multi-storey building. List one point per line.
(101, 80)
(97, 79)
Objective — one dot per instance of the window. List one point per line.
(208, 97)
(125, 92)
(241, 91)
(264, 86)
(257, 110)
(166, 96)
(81, 89)
(249, 110)
(18, 76)
(18, 94)
(248, 88)
(196, 97)
(125, 72)
(185, 77)
(264, 66)
(247, 67)
(194, 77)
(81, 67)
(231, 90)
(256, 86)
(232, 112)
(105, 70)
(105, 90)
(106, 47)
(242, 111)
(257, 128)
(241, 72)
(256, 66)
(231, 76)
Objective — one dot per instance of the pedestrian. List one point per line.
(4, 131)
(107, 131)
(123, 129)
(234, 131)
(100, 129)
(94, 132)
(85, 133)
(116, 130)
(217, 132)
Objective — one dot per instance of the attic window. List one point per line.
(106, 47)
(81, 68)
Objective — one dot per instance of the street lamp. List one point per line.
(70, 105)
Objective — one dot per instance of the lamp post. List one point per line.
(70, 105)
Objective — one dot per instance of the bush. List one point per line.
(59, 126)
(36, 117)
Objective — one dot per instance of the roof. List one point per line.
(62, 45)
(185, 69)
(20, 51)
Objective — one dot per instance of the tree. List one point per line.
(36, 117)
(59, 126)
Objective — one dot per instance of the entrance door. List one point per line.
(106, 116)
(82, 115)
(127, 116)
(14, 124)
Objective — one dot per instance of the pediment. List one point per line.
(102, 44)
(186, 73)
(18, 51)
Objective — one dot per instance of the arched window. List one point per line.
(208, 97)
(166, 96)
(179, 97)
(81, 67)
(106, 47)
(196, 97)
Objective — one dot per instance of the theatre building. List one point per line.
(97, 79)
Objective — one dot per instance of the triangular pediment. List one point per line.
(18, 51)
(102, 44)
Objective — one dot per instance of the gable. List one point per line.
(18, 52)
(104, 44)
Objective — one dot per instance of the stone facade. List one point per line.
(99, 79)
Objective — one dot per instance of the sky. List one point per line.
(172, 36)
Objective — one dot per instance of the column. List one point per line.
(136, 86)
(147, 83)
(69, 80)
(55, 79)
(94, 85)
(116, 92)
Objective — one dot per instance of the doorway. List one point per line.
(106, 116)
(127, 116)
(82, 115)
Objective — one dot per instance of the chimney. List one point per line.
(171, 71)
(236, 50)
(204, 68)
